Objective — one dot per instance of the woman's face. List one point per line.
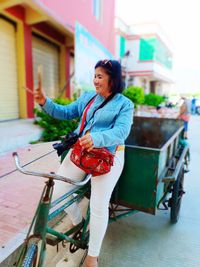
(102, 82)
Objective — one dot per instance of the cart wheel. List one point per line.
(177, 193)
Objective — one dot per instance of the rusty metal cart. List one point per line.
(156, 159)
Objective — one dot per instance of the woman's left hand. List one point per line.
(86, 142)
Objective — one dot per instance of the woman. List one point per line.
(108, 127)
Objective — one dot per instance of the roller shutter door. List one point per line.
(9, 103)
(47, 55)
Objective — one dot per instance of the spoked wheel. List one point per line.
(177, 194)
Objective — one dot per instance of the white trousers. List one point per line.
(101, 190)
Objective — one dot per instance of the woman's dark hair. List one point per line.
(113, 69)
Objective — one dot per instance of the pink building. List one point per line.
(42, 32)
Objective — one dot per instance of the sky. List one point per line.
(180, 20)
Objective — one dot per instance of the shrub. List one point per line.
(135, 94)
(153, 99)
(54, 128)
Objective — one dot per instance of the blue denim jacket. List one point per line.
(110, 125)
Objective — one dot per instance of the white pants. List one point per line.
(101, 190)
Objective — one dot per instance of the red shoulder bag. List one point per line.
(97, 162)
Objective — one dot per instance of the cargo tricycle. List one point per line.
(156, 159)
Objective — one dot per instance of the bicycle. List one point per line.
(33, 251)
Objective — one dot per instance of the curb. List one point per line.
(8, 253)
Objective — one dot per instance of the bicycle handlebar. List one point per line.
(50, 175)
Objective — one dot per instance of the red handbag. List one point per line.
(98, 161)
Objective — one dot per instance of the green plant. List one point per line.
(153, 99)
(54, 128)
(135, 94)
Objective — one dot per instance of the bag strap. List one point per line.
(85, 114)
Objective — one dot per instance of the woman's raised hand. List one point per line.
(39, 95)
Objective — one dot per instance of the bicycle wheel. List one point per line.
(30, 259)
(177, 194)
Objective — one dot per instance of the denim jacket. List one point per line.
(110, 125)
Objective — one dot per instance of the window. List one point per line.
(154, 49)
(122, 46)
(147, 49)
(97, 9)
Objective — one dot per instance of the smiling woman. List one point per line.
(106, 119)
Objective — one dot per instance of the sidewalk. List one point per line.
(17, 133)
(19, 193)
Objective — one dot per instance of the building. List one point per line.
(42, 32)
(146, 55)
